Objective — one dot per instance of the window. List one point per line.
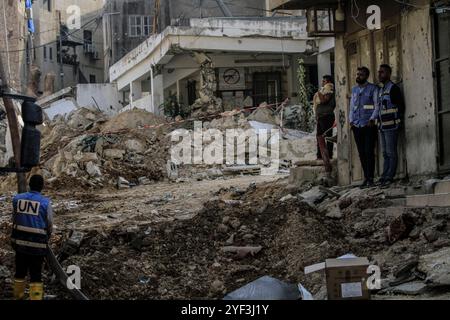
(139, 26)
(92, 78)
(147, 25)
(45, 52)
(135, 26)
(87, 36)
(50, 53)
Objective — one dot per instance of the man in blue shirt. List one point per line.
(362, 117)
(391, 109)
(32, 228)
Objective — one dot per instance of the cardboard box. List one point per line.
(346, 277)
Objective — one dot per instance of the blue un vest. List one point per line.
(30, 223)
(363, 103)
(389, 112)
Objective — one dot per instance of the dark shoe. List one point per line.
(370, 184)
(380, 182)
(386, 184)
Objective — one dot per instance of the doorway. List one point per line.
(442, 78)
(267, 88)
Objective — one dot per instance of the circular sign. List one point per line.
(231, 76)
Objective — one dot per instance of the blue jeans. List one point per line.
(389, 140)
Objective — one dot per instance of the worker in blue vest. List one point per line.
(32, 228)
(390, 112)
(362, 119)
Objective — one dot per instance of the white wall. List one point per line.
(60, 107)
(106, 97)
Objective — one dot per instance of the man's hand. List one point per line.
(371, 123)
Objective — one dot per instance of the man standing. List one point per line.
(324, 105)
(32, 228)
(363, 114)
(390, 110)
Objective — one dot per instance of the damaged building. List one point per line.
(67, 45)
(139, 19)
(414, 42)
(242, 61)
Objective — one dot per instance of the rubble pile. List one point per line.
(87, 150)
(243, 234)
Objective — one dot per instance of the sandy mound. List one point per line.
(132, 119)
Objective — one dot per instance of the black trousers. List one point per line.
(325, 123)
(366, 140)
(29, 264)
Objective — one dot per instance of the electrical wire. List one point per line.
(55, 41)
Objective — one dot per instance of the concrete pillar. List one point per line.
(324, 64)
(157, 92)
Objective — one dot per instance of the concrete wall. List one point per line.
(61, 107)
(418, 85)
(102, 96)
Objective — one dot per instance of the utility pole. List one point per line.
(13, 127)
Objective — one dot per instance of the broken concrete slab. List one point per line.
(83, 157)
(334, 213)
(429, 185)
(442, 187)
(410, 288)
(144, 181)
(429, 200)
(122, 183)
(115, 154)
(93, 170)
(302, 175)
(135, 146)
(314, 195)
(436, 266)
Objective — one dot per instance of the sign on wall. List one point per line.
(231, 79)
